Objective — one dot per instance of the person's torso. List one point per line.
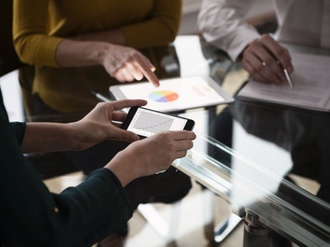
(303, 21)
(81, 16)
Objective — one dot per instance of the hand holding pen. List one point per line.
(267, 61)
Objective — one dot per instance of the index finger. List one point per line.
(279, 52)
(145, 67)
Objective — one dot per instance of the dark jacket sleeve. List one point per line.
(32, 216)
(18, 130)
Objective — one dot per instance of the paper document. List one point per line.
(311, 79)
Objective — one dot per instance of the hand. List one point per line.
(150, 155)
(127, 64)
(97, 126)
(264, 59)
(123, 63)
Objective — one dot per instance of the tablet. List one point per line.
(175, 94)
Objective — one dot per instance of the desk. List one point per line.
(250, 150)
(244, 152)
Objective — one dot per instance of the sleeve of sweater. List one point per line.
(32, 43)
(222, 23)
(29, 33)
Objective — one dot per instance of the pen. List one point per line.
(105, 99)
(100, 97)
(288, 78)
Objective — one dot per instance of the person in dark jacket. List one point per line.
(30, 215)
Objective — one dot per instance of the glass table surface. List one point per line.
(244, 151)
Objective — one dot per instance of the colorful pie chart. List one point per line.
(163, 96)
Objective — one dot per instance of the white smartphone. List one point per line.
(145, 122)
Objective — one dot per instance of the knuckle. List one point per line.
(280, 51)
(269, 61)
(253, 45)
(254, 73)
(257, 67)
(171, 147)
(247, 53)
(100, 104)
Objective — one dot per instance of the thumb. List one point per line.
(125, 135)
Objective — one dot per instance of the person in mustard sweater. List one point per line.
(59, 37)
(31, 215)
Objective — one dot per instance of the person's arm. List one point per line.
(34, 45)
(150, 155)
(222, 23)
(159, 29)
(32, 216)
(79, 216)
(123, 63)
(95, 127)
(158, 151)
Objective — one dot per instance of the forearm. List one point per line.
(79, 216)
(120, 166)
(133, 35)
(73, 53)
(90, 48)
(99, 199)
(163, 32)
(223, 24)
(49, 137)
(110, 36)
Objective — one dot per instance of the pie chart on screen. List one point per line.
(163, 96)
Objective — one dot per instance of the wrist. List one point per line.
(76, 138)
(73, 53)
(73, 138)
(109, 57)
(101, 53)
(123, 167)
(241, 55)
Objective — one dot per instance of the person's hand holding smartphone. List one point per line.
(145, 122)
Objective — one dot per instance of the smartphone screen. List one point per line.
(145, 122)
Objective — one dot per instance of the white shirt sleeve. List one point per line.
(222, 23)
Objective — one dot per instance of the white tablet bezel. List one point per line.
(208, 93)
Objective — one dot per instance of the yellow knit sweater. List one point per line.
(39, 26)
